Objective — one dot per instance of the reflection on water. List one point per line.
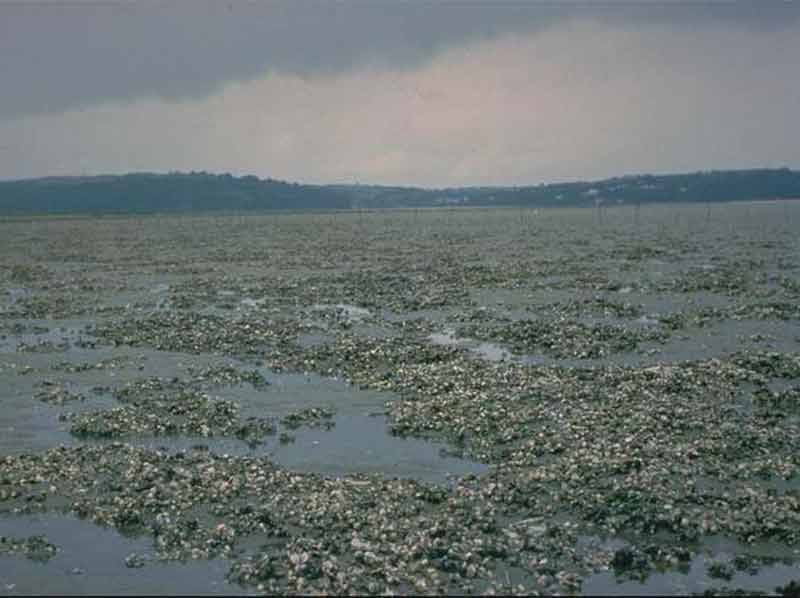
(697, 580)
(483, 350)
(695, 576)
(91, 560)
(359, 441)
(160, 288)
(58, 338)
(361, 444)
(351, 312)
(355, 444)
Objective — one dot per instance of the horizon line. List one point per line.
(399, 185)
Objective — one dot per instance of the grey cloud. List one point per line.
(583, 99)
(56, 57)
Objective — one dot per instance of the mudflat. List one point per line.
(412, 401)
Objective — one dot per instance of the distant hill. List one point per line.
(163, 193)
(147, 192)
(724, 185)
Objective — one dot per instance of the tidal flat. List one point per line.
(549, 401)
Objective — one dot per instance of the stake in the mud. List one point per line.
(598, 204)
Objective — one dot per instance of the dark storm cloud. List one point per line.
(56, 57)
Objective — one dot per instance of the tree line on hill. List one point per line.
(201, 191)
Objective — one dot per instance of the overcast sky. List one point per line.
(417, 93)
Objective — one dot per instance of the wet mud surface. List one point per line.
(432, 401)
